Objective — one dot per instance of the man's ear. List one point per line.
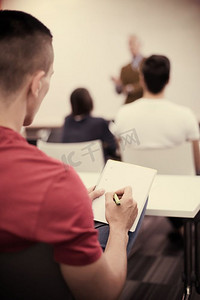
(36, 83)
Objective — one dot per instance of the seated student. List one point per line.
(41, 199)
(158, 122)
(81, 126)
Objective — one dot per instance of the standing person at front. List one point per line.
(129, 81)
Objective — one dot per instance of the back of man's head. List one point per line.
(156, 70)
(25, 47)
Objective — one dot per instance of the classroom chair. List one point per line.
(32, 274)
(177, 160)
(83, 156)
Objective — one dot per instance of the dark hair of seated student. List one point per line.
(156, 71)
(81, 126)
(81, 102)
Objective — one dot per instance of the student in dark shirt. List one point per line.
(81, 126)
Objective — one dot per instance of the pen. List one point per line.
(116, 199)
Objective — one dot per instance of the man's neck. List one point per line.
(150, 95)
(12, 114)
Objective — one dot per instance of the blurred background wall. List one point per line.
(90, 42)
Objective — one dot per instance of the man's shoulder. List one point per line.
(185, 110)
(17, 154)
(28, 157)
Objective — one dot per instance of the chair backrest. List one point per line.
(177, 160)
(32, 274)
(84, 156)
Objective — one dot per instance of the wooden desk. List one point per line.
(175, 196)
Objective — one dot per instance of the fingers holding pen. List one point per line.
(124, 194)
(122, 215)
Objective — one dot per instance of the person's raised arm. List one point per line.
(118, 84)
(105, 278)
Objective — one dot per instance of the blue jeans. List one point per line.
(103, 232)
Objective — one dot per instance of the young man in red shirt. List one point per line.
(42, 200)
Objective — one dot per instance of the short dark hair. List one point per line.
(81, 102)
(156, 70)
(24, 42)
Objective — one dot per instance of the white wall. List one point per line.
(90, 42)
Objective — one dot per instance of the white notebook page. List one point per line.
(116, 175)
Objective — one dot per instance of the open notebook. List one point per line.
(116, 175)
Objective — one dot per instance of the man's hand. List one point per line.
(128, 89)
(121, 216)
(116, 80)
(93, 194)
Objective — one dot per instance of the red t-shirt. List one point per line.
(43, 200)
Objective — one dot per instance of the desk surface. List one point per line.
(170, 195)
